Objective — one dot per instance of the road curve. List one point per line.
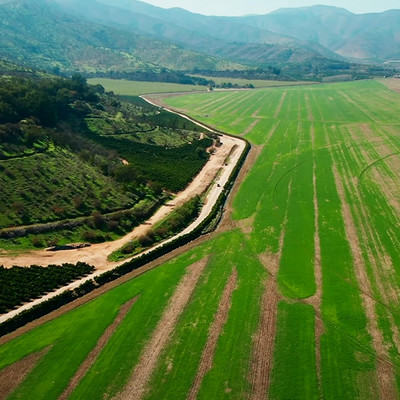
(237, 146)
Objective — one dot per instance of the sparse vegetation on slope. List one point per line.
(68, 150)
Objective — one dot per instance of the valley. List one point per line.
(319, 178)
(199, 206)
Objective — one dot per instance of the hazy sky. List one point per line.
(243, 7)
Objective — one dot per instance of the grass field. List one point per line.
(135, 88)
(257, 83)
(297, 299)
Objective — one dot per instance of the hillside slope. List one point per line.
(367, 37)
(84, 161)
(194, 31)
(326, 31)
(39, 34)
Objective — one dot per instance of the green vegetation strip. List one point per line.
(294, 357)
(174, 223)
(135, 88)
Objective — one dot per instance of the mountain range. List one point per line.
(127, 35)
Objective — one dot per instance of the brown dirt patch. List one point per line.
(12, 376)
(137, 385)
(385, 373)
(246, 225)
(255, 113)
(316, 300)
(391, 83)
(264, 339)
(220, 319)
(264, 342)
(92, 357)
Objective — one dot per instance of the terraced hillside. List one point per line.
(296, 296)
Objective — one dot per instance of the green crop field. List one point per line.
(135, 88)
(298, 297)
(257, 83)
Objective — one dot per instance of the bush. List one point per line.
(147, 239)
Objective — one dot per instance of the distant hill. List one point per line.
(37, 33)
(110, 38)
(365, 37)
(326, 31)
(211, 35)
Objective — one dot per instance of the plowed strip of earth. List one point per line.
(137, 385)
(220, 319)
(264, 342)
(316, 300)
(91, 358)
(13, 375)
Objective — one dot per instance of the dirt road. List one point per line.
(215, 173)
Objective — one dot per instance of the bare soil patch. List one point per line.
(264, 342)
(316, 300)
(246, 225)
(391, 83)
(310, 115)
(12, 376)
(92, 357)
(255, 113)
(137, 385)
(220, 319)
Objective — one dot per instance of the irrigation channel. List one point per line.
(235, 148)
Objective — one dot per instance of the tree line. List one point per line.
(22, 284)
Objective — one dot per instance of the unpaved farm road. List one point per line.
(215, 173)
